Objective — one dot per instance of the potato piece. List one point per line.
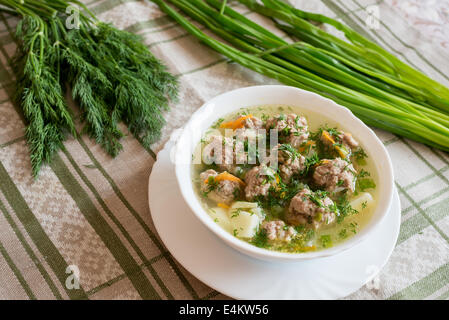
(362, 202)
(220, 216)
(259, 212)
(245, 224)
(243, 205)
(251, 207)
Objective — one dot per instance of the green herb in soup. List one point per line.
(311, 188)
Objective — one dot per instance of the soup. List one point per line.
(284, 179)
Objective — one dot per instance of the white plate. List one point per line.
(238, 276)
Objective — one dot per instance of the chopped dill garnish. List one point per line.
(326, 241)
(365, 184)
(344, 208)
(360, 156)
(289, 150)
(310, 162)
(261, 239)
(343, 233)
(217, 123)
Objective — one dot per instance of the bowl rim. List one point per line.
(266, 254)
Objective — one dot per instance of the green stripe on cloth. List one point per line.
(149, 24)
(426, 178)
(423, 215)
(36, 233)
(17, 272)
(164, 28)
(423, 58)
(30, 252)
(349, 20)
(211, 295)
(427, 199)
(12, 142)
(358, 28)
(123, 276)
(104, 231)
(9, 89)
(344, 15)
(145, 292)
(203, 67)
(116, 222)
(6, 83)
(411, 227)
(108, 5)
(4, 74)
(441, 232)
(418, 222)
(139, 219)
(426, 286)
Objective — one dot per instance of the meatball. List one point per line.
(335, 175)
(292, 126)
(307, 207)
(290, 162)
(340, 137)
(221, 151)
(278, 230)
(258, 181)
(348, 140)
(252, 123)
(223, 191)
(287, 123)
(296, 139)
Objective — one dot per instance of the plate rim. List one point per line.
(168, 147)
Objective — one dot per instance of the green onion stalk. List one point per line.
(110, 73)
(359, 75)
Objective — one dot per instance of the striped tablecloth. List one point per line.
(88, 214)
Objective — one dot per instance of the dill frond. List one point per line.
(111, 74)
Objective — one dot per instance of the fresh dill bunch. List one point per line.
(142, 86)
(93, 91)
(111, 74)
(138, 58)
(39, 92)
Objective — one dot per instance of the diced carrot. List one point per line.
(226, 176)
(223, 205)
(343, 153)
(235, 124)
(306, 146)
(328, 137)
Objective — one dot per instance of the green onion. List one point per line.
(358, 74)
